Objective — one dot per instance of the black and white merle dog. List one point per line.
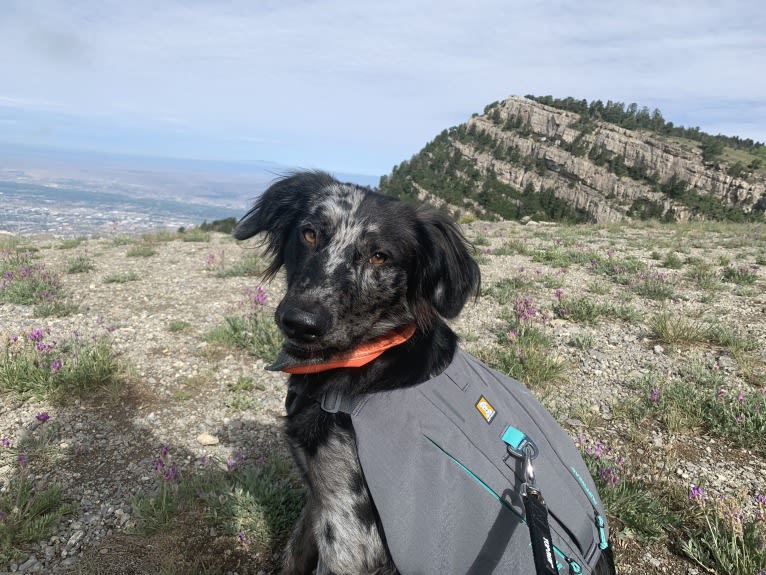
(359, 266)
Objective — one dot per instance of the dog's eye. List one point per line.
(378, 258)
(310, 236)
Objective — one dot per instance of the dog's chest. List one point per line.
(344, 522)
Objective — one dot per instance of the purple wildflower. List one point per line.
(696, 493)
(36, 335)
(232, 464)
(609, 475)
(741, 397)
(171, 474)
(22, 459)
(524, 309)
(558, 293)
(42, 416)
(654, 396)
(5, 442)
(55, 365)
(259, 296)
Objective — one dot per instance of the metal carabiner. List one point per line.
(529, 469)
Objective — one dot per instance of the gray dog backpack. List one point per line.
(470, 474)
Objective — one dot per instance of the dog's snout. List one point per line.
(305, 325)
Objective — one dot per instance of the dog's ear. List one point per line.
(278, 210)
(446, 274)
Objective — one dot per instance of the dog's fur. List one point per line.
(358, 264)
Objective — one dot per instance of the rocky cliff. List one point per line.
(523, 158)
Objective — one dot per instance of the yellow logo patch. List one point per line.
(485, 408)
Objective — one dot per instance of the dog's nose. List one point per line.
(302, 324)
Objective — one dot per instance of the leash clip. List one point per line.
(529, 469)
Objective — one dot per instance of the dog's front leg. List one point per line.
(301, 554)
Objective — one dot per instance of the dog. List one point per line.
(360, 268)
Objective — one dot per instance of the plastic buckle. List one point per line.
(518, 444)
(331, 401)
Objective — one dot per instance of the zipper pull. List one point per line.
(601, 525)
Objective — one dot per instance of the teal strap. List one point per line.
(514, 437)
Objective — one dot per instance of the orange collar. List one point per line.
(359, 356)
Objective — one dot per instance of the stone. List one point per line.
(207, 439)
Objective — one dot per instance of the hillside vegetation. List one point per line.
(568, 160)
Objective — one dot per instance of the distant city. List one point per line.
(69, 194)
(31, 209)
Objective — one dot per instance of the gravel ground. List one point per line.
(178, 388)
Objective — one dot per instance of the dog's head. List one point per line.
(358, 263)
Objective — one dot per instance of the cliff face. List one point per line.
(601, 171)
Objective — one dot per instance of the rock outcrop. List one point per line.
(523, 144)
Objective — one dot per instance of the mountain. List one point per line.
(570, 160)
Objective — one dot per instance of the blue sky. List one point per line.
(354, 86)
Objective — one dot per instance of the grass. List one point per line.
(705, 276)
(257, 501)
(743, 276)
(39, 364)
(179, 326)
(672, 261)
(25, 282)
(250, 264)
(523, 350)
(80, 264)
(141, 251)
(121, 277)
(675, 329)
(640, 512)
(724, 540)
(30, 509)
(254, 331)
(71, 243)
(587, 310)
(699, 398)
(506, 290)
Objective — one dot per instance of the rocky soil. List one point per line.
(177, 389)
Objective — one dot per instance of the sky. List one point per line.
(353, 86)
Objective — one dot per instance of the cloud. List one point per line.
(366, 85)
